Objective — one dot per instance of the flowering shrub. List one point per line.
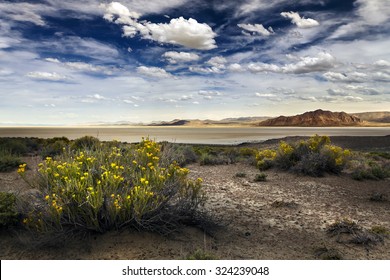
(311, 157)
(111, 186)
(265, 159)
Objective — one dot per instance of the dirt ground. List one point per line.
(284, 217)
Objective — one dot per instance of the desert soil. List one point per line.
(284, 217)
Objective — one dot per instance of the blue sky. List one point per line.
(72, 62)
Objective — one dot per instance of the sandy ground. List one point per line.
(284, 217)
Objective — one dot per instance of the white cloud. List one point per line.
(381, 76)
(353, 98)
(264, 67)
(24, 12)
(97, 97)
(382, 63)
(55, 77)
(185, 98)
(209, 94)
(235, 67)
(177, 57)
(374, 12)
(217, 66)
(265, 94)
(368, 13)
(337, 92)
(353, 77)
(284, 91)
(363, 90)
(217, 61)
(256, 28)
(117, 9)
(179, 31)
(300, 21)
(81, 66)
(324, 61)
(154, 72)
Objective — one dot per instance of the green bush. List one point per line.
(109, 187)
(261, 177)
(211, 159)
(313, 157)
(8, 161)
(182, 154)
(54, 148)
(247, 152)
(8, 214)
(201, 255)
(370, 170)
(14, 145)
(85, 143)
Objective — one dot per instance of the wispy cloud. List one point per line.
(46, 76)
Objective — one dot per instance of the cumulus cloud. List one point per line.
(324, 61)
(54, 77)
(179, 31)
(217, 64)
(235, 67)
(177, 57)
(300, 21)
(256, 28)
(382, 63)
(117, 9)
(154, 72)
(264, 67)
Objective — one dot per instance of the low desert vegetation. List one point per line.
(314, 157)
(261, 177)
(348, 231)
(97, 187)
(9, 161)
(201, 255)
(8, 210)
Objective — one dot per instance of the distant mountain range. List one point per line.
(379, 117)
(308, 119)
(315, 118)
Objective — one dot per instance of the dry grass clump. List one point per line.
(348, 231)
(284, 204)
